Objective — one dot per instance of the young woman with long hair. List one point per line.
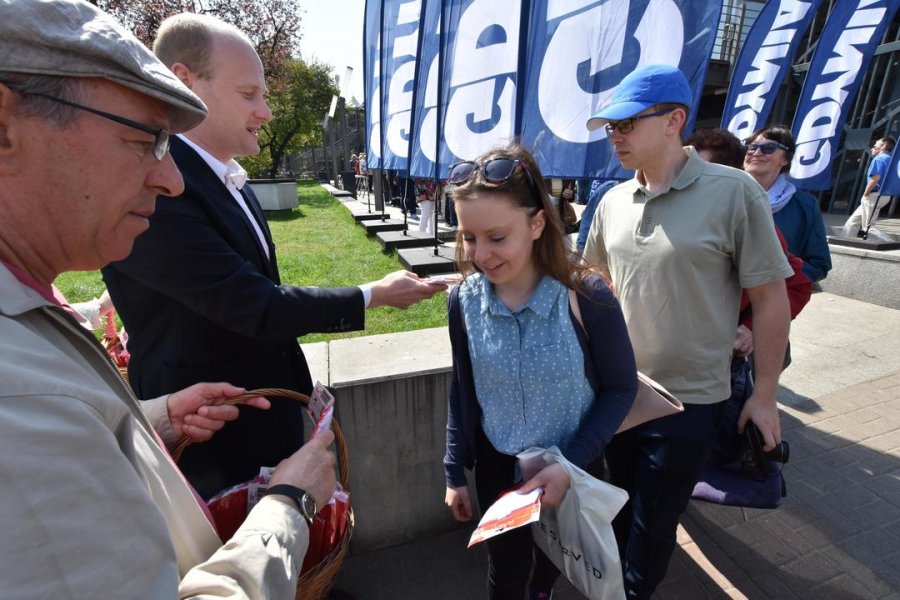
(525, 373)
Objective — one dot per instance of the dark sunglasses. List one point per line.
(495, 170)
(767, 148)
(627, 125)
(160, 136)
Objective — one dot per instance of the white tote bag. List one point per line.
(577, 535)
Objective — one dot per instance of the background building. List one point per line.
(874, 114)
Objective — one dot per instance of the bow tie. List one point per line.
(236, 175)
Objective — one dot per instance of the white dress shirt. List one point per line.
(221, 169)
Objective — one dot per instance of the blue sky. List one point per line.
(332, 32)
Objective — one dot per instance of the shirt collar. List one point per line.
(218, 167)
(540, 303)
(691, 170)
(48, 292)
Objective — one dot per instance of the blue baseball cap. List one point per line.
(641, 89)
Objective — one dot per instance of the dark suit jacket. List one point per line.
(201, 302)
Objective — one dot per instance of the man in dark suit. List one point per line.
(200, 295)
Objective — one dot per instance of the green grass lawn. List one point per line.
(318, 244)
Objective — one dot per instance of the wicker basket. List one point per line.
(315, 583)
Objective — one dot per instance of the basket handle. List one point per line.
(340, 442)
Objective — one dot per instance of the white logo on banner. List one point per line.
(375, 133)
(764, 67)
(428, 132)
(477, 72)
(400, 93)
(829, 97)
(597, 36)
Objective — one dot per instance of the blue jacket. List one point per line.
(609, 366)
(800, 221)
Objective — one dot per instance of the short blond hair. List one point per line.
(187, 38)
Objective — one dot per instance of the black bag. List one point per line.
(739, 473)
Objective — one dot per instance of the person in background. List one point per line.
(584, 190)
(90, 313)
(598, 190)
(426, 191)
(723, 147)
(92, 504)
(862, 222)
(450, 210)
(796, 213)
(363, 164)
(679, 241)
(564, 201)
(521, 363)
(201, 295)
(408, 193)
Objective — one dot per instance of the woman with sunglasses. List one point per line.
(768, 160)
(520, 359)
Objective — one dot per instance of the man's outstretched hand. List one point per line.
(402, 289)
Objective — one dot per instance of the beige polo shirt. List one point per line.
(678, 260)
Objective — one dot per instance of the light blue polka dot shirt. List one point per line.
(528, 366)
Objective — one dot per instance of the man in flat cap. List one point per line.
(91, 505)
(200, 295)
(679, 241)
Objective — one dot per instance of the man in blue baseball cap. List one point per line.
(679, 241)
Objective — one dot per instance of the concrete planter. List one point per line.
(275, 194)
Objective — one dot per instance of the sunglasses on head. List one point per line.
(495, 170)
(767, 148)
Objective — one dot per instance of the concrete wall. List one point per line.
(866, 275)
(275, 195)
(391, 399)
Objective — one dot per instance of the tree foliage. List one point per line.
(297, 110)
(272, 25)
(299, 92)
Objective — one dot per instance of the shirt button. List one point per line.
(647, 220)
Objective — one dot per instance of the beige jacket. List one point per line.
(90, 505)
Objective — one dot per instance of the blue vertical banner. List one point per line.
(481, 52)
(836, 71)
(763, 63)
(372, 82)
(891, 184)
(399, 48)
(579, 50)
(424, 141)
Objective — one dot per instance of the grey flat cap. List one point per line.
(71, 38)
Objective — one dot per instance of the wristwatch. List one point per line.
(304, 501)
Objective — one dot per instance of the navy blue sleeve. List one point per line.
(610, 365)
(588, 215)
(815, 253)
(461, 410)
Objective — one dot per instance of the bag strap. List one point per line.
(576, 310)
(455, 312)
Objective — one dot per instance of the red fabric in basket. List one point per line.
(229, 509)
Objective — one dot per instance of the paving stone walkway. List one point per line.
(837, 535)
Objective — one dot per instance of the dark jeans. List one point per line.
(511, 554)
(450, 216)
(657, 463)
(408, 191)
